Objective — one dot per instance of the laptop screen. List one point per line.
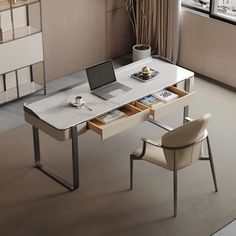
(100, 74)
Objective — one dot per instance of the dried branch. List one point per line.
(141, 16)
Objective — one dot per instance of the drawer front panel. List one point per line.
(20, 53)
(172, 106)
(60, 135)
(117, 126)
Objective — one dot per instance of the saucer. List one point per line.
(74, 103)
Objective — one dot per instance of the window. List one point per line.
(220, 9)
(200, 5)
(224, 9)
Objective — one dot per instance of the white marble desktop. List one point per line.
(57, 110)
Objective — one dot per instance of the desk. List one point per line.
(55, 116)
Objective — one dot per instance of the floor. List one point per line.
(228, 230)
(12, 114)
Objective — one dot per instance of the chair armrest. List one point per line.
(161, 125)
(145, 141)
(149, 141)
(188, 119)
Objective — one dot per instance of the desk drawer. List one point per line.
(163, 109)
(134, 116)
(60, 135)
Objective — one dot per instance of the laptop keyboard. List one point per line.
(111, 87)
(111, 90)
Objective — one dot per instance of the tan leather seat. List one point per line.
(177, 149)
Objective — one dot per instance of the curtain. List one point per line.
(167, 27)
(158, 24)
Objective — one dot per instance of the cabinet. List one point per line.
(22, 70)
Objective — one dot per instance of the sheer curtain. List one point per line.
(167, 28)
(158, 24)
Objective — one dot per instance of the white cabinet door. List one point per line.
(20, 53)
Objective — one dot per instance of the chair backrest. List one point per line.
(183, 136)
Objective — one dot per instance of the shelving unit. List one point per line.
(21, 48)
(19, 33)
(7, 5)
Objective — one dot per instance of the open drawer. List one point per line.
(162, 109)
(134, 116)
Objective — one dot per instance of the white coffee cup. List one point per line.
(79, 100)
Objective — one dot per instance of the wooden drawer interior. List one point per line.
(161, 108)
(133, 116)
(173, 89)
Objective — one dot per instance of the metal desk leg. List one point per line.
(36, 146)
(75, 160)
(186, 108)
(75, 156)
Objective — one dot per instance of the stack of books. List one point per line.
(166, 95)
(150, 100)
(111, 116)
(159, 97)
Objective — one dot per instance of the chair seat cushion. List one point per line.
(153, 154)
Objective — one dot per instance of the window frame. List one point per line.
(211, 12)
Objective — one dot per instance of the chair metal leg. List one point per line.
(175, 186)
(131, 172)
(212, 164)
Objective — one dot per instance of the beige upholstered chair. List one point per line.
(177, 149)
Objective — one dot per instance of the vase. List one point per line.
(141, 51)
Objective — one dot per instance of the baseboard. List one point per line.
(231, 88)
(211, 80)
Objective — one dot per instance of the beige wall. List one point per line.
(208, 46)
(74, 35)
(79, 33)
(119, 30)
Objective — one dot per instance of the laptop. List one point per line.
(102, 81)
